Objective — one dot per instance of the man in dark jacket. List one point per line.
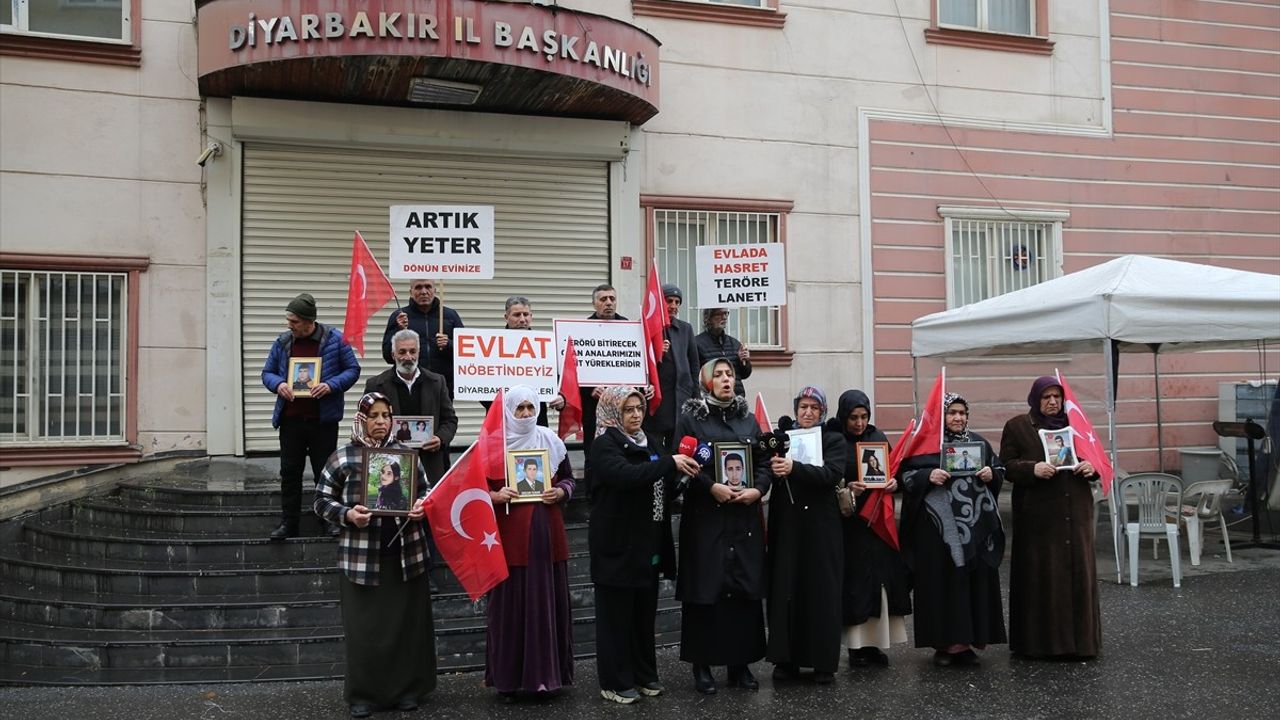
(415, 391)
(308, 426)
(422, 315)
(713, 342)
(518, 315)
(677, 373)
(604, 299)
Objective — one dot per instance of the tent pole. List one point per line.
(1155, 361)
(1110, 360)
(915, 394)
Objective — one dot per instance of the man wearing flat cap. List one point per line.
(308, 426)
(678, 371)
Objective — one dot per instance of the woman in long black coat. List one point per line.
(721, 580)
(876, 593)
(629, 535)
(952, 541)
(806, 553)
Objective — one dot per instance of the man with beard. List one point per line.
(677, 373)
(422, 315)
(714, 343)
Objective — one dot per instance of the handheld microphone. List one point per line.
(785, 423)
(773, 444)
(688, 444)
(699, 451)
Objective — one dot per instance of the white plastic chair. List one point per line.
(1151, 494)
(1204, 503)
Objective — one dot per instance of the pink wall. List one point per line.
(1192, 173)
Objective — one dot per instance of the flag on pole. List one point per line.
(1087, 443)
(368, 289)
(571, 413)
(461, 514)
(762, 415)
(655, 320)
(919, 438)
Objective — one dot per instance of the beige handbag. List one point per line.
(844, 496)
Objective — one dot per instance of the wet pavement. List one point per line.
(1208, 649)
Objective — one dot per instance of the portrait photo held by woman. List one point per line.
(382, 562)
(529, 648)
(953, 542)
(806, 553)
(386, 480)
(633, 481)
(721, 583)
(1053, 579)
(875, 592)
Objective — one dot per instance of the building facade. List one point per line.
(912, 155)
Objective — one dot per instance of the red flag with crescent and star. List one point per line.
(920, 438)
(655, 320)
(461, 514)
(571, 413)
(368, 290)
(1088, 444)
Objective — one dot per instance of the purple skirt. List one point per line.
(530, 635)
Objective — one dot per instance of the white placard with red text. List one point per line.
(608, 352)
(451, 242)
(485, 361)
(732, 276)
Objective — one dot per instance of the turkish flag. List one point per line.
(461, 514)
(920, 438)
(571, 413)
(368, 290)
(1087, 443)
(762, 415)
(655, 321)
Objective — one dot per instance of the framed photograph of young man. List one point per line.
(963, 458)
(414, 430)
(390, 480)
(873, 463)
(806, 446)
(304, 373)
(733, 465)
(1059, 448)
(527, 473)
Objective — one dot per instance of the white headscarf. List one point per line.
(526, 433)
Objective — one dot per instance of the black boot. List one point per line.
(703, 681)
(287, 529)
(740, 676)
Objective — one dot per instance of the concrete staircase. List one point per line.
(170, 579)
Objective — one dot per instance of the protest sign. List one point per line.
(732, 276)
(608, 352)
(485, 361)
(452, 242)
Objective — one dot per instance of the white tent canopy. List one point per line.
(1135, 301)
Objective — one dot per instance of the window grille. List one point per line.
(991, 257)
(62, 356)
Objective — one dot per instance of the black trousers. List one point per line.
(625, 655)
(302, 440)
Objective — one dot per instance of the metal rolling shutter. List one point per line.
(302, 204)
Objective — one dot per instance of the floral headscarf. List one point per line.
(706, 375)
(948, 400)
(358, 426)
(815, 394)
(609, 412)
(526, 433)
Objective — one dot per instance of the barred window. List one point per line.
(989, 257)
(675, 235)
(1014, 17)
(62, 357)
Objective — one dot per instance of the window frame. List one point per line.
(1054, 219)
(761, 356)
(16, 40)
(24, 453)
(766, 14)
(1037, 43)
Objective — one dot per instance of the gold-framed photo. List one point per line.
(304, 374)
(528, 473)
(389, 480)
(873, 463)
(733, 465)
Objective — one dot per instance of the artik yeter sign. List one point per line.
(486, 361)
(452, 242)
(741, 275)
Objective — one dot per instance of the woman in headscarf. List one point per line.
(1053, 582)
(953, 543)
(876, 592)
(722, 556)
(632, 478)
(386, 605)
(806, 553)
(529, 639)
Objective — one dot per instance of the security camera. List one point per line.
(214, 150)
